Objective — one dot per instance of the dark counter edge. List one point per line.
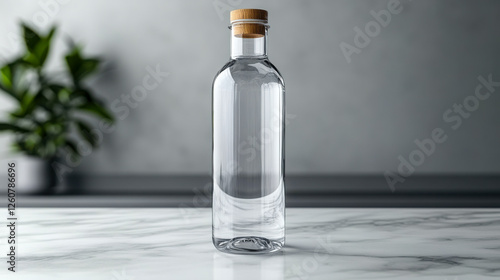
(448, 191)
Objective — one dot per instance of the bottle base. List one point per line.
(248, 245)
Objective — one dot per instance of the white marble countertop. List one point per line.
(175, 243)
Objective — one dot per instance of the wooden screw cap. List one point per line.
(249, 23)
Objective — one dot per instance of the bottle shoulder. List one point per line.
(248, 70)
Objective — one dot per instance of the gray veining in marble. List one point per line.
(175, 243)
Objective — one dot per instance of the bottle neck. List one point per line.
(248, 47)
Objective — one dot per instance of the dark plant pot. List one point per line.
(34, 175)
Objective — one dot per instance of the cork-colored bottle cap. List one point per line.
(255, 14)
(249, 23)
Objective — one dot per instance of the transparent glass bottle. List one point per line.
(248, 152)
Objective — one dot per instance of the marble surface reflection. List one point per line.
(175, 243)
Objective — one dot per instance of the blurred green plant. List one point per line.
(49, 109)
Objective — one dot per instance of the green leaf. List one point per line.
(96, 110)
(61, 92)
(38, 46)
(32, 142)
(10, 92)
(72, 148)
(41, 51)
(88, 66)
(73, 59)
(6, 77)
(80, 67)
(42, 101)
(31, 59)
(27, 104)
(13, 128)
(50, 34)
(12, 78)
(86, 133)
(86, 94)
(40, 132)
(55, 88)
(64, 95)
(31, 38)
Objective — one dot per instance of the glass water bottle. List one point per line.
(248, 153)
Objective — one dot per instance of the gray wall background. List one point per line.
(353, 117)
